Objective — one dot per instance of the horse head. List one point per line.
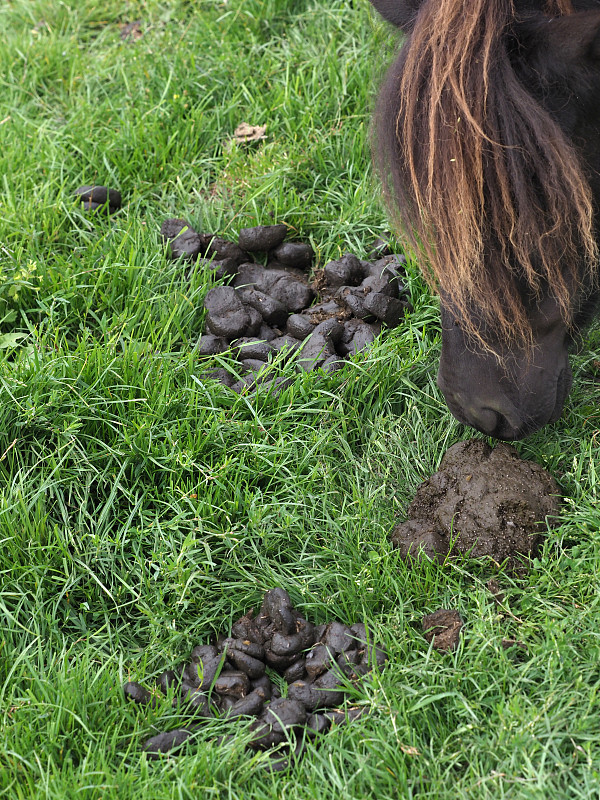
(488, 128)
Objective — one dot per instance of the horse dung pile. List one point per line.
(482, 502)
(99, 198)
(268, 309)
(230, 679)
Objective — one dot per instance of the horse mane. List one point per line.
(483, 180)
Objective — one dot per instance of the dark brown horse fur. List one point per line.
(487, 141)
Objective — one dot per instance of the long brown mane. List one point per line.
(483, 180)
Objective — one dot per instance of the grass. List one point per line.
(143, 508)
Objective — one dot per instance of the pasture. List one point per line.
(143, 508)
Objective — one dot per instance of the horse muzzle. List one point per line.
(497, 414)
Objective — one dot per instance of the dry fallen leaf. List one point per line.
(249, 133)
(131, 30)
(409, 751)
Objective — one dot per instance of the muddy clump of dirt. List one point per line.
(483, 502)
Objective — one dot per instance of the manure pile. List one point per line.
(272, 307)
(237, 678)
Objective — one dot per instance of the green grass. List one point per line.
(143, 508)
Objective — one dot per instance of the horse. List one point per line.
(487, 142)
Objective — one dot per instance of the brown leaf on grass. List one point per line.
(131, 30)
(409, 751)
(249, 133)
